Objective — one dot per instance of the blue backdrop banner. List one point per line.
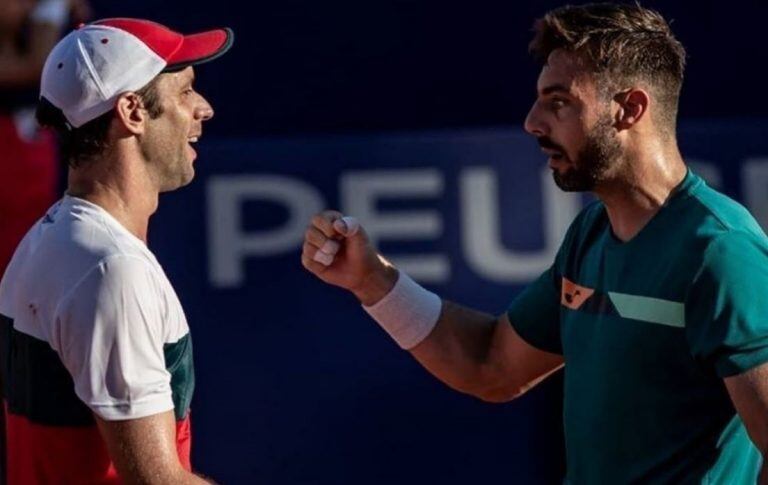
(295, 384)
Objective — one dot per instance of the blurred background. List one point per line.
(407, 114)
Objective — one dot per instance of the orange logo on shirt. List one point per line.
(573, 295)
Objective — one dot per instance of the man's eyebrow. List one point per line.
(555, 88)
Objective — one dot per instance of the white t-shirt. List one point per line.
(82, 282)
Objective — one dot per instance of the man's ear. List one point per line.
(130, 111)
(633, 106)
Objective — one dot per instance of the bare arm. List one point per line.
(749, 393)
(144, 450)
(470, 351)
(480, 355)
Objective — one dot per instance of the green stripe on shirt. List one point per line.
(651, 310)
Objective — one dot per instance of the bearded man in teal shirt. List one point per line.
(656, 302)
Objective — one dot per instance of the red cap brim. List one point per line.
(200, 48)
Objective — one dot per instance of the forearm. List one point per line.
(187, 478)
(454, 349)
(144, 451)
(180, 477)
(749, 393)
(457, 350)
(468, 350)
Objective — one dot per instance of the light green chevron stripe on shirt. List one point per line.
(651, 310)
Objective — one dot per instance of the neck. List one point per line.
(644, 182)
(121, 188)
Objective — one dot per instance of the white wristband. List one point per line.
(408, 312)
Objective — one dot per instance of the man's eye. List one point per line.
(557, 103)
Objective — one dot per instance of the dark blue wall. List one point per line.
(296, 386)
(300, 65)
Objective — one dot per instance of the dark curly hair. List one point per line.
(621, 44)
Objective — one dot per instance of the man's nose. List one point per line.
(204, 111)
(533, 122)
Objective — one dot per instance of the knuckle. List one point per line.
(315, 237)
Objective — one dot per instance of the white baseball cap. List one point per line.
(92, 66)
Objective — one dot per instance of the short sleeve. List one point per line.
(726, 309)
(110, 335)
(535, 313)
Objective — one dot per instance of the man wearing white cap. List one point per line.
(96, 358)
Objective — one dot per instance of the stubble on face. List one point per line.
(572, 123)
(594, 161)
(167, 160)
(165, 144)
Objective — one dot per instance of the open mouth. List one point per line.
(553, 154)
(191, 140)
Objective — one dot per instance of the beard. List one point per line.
(601, 151)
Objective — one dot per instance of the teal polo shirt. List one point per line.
(648, 329)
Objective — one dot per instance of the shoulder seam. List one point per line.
(723, 224)
(712, 243)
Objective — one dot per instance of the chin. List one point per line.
(186, 179)
(572, 180)
(181, 181)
